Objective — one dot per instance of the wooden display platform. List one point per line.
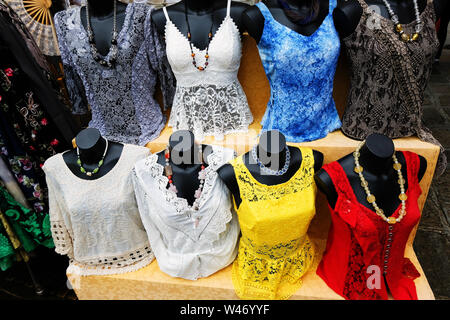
(151, 283)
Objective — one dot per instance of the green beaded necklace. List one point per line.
(100, 163)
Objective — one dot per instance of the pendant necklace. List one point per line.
(113, 50)
(189, 36)
(371, 198)
(100, 163)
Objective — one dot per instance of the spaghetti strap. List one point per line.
(166, 14)
(331, 5)
(228, 8)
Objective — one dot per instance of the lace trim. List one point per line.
(253, 191)
(61, 238)
(127, 262)
(256, 275)
(181, 205)
(218, 225)
(80, 270)
(355, 286)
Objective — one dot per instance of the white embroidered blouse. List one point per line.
(96, 222)
(181, 248)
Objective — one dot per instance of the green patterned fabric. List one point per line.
(31, 229)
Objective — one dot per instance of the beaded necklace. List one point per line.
(100, 163)
(268, 171)
(189, 36)
(371, 198)
(113, 50)
(201, 177)
(398, 26)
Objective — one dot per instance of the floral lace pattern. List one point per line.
(366, 240)
(108, 92)
(274, 250)
(182, 247)
(209, 102)
(355, 286)
(95, 229)
(262, 268)
(210, 110)
(389, 78)
(301, 105)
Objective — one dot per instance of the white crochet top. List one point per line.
(97, 222)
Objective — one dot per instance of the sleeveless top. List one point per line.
(274, 250)
(183, 248)
(358, 239)
(209, 102)
(300, 70)
(389, 77)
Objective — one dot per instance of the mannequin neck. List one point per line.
(184, 152)
(101, 8)
(272, 146)
(376, 154)
(93, 154)
(199, 6)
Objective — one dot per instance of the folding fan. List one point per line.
(36, 16)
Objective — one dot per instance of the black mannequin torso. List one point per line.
(272, 143)
(200, 13)
(92, 145)
(254, 20)
(348, 12)
(185, 163)
(102, 17)
(376, 159)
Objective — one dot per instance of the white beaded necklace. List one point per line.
(398, 26)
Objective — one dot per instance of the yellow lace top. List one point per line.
(274, 250)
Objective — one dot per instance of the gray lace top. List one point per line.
(110, 92)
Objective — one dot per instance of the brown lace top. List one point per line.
(389, 78)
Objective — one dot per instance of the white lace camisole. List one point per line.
(209, 102)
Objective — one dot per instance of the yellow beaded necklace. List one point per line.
(371, 198)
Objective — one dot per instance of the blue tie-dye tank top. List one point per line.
(300, 70)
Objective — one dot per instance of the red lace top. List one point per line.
(358, 238)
